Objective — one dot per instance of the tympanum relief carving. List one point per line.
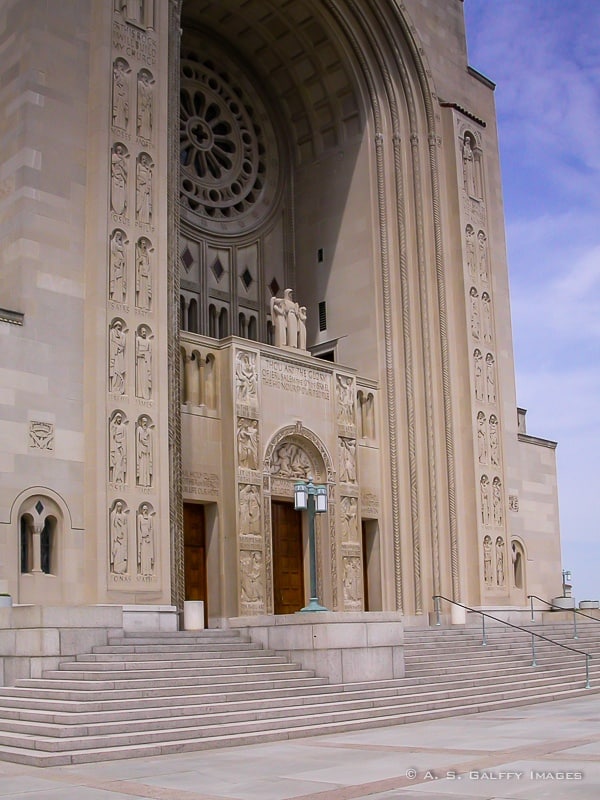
(291, 461)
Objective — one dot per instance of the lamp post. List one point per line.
(311, 498)
(566, 581)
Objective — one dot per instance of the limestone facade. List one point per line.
(245, 244)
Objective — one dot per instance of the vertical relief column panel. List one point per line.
(485, 401)
(134, 534)
(255, 589)
(348, 489)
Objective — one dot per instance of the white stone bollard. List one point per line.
(193, 615)
(458, 615)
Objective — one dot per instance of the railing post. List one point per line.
(533, 661)
(532, 615)
(484, 640)
(437, 610)
(587, 671)
(575, 625)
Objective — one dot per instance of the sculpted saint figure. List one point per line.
(118, 183)
(118, 449)
(482, 438)
(118, 539)
(143, 364)
(500, 561)
(485, 499)
(245, 372)
(470, 249)
(145, 102)
(143, 275)
(351, 580)
(278, 320)
(497, 501)
(118, 267)
(349, 514)
(490, 378)
(469, 167)
(478, 374)
(494, 443)
(145, 542)
(251, 585)
(486, 305)
(347, 460)
(483, 256)
(249, 510)
(144, 448)
(120, 108)
(291, 319)
(487, 560)
(475, 317)
(116, 355)
(302, 328)
(247, 441)
(143, 189)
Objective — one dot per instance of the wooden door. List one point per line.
(288, 573)
(194, 558)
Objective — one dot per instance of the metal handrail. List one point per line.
(560, 608)
(533, 634)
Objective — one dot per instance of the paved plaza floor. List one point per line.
(549, 751)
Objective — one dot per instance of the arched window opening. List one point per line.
(212, 321)
(182, 315)
(193, 316)
(26, 544)
(270, 334)
(47, 546)
(253, 329)
(243, 332)
(223, 324)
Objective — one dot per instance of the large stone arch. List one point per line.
(386, 83)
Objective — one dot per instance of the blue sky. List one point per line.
(544, 56)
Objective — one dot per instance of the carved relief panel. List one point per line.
(119, 537)
(117, 448)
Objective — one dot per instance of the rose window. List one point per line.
(224, 131)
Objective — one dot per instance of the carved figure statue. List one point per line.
(490, 378)
(482, 447)
(145, 103)
(250, 577)
(486, 313)
(278, 320)
(475, 316)
(247, 443)
(290, 461)
(484, 487)
(144, 452)
(351, 580)
(118, 449)
(497, 502)
(470, 250)
(345, 399)
(118, 179)
(349, 516)
(117, 287)
(291, 318)
(488, 576)
(119, 538)
(132, 10)
(116, 354)
(143, 274)
(143, 363)
(347, 460)
(367, 413)
(478, 374)
(249, 523)
(500, 561)
(145, 542)
(120, 100)
(143, 188)
(245, 372)
(494, 442)
(482, 256)
(302, 328)
(469, 167)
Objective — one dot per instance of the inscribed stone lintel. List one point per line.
(249, 476)
(295, 378)
(200, 483)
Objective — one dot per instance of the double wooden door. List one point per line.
(288, 573)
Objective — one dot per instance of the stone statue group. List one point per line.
(289, 322)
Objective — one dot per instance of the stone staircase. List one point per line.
(144, 695)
